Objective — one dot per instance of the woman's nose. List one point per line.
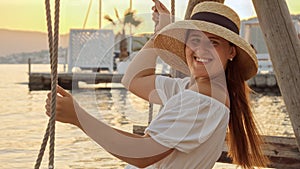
(202, 47)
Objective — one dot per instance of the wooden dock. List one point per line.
(282, 151)
(42, 81)
(69, 81)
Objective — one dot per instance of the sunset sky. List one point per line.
(30, 14)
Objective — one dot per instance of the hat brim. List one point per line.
(170, 43)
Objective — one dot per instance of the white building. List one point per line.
(251, 32)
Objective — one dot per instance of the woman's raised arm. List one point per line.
(140, 75)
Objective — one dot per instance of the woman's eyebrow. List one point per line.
(214, 38)
(196, 34)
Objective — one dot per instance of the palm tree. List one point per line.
(128, 20)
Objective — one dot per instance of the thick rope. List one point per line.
(173, 10)
(173, 20)
(53, 49)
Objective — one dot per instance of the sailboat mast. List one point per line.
(100, 13)
(130, 6)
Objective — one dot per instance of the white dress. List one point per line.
(191, 123)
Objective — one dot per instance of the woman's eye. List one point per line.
(213, 42)
(196, 40)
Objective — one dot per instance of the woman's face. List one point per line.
(207, 54)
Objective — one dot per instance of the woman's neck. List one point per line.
(215, 88)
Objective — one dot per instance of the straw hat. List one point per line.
(211, 17)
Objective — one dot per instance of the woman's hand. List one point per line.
(161, 15)
(66, 107)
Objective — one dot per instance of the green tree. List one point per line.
(128, 20)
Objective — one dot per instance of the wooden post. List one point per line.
(29, 74)
(284, 48)
(29, 66)
(100, 14)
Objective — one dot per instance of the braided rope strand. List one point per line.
(173, 10)
(53, 85)
(53, 50)
(42, 149)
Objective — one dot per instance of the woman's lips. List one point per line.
(202, 60)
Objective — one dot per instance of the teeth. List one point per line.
(202, 60)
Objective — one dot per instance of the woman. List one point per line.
(190, 130)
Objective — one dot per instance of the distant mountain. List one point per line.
(13, 41)
(39, 57)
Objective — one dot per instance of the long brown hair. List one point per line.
(243, 138)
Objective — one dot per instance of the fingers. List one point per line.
(155, 16)
(154, 9)
(62, 91)
(47, 110)
(47, 106)
(161, 8)
(160, 15)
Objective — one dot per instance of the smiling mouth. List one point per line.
(202, 60)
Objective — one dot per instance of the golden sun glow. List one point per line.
(30, 14)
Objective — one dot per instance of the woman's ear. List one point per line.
(232, 52)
